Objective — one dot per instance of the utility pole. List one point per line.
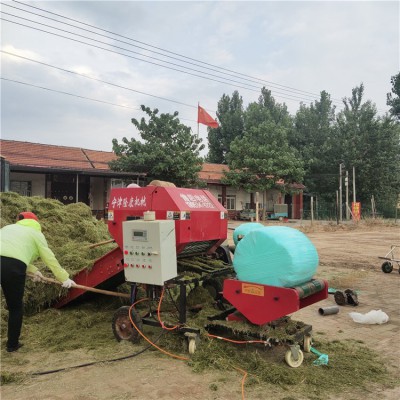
(346, 182)
(354, 184)
(341, 165)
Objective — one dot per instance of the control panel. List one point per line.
(149, 249)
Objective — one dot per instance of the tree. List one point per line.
(230, 117)
(313, 127)
(372, 145)
(393, 99)
(261, 158)
(168, 150)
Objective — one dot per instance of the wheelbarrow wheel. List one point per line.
(387, 267)
(307, 341)
(291, 361)
(122, 326)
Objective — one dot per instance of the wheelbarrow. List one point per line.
(391, 259)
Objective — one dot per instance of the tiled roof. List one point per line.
(50, 156)
(212, 173)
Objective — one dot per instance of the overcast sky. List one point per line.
(296, 49)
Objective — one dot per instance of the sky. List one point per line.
(74, 73)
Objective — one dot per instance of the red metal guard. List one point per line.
(261, 304)
(103, 269)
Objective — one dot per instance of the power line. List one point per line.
(291, 98)
(170, 52)
(81, 97)
(234, 83)
(96, 79)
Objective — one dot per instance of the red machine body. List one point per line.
(201, 223)
(261, 304)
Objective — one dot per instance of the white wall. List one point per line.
(38, 181)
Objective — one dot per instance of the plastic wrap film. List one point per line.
(276, 256)
(244, 229)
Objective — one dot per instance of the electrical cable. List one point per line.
(97, 362)
(159, 316)
(290, 89)
(148, 340)
(81, 97)
(69, 94)
(235, 83)
(96, 79)
(164, 50)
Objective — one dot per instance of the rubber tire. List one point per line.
(387, 267)
(307, 341)
(130, 333)
(291, 361)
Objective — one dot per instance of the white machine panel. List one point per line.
(149, 251)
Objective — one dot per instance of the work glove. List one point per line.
(68, 283)
(37, 276)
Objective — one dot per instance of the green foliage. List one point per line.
(313, 128)
(168, 150)
(263, 155)
(230, 115)
(393, 99)
(372, 145)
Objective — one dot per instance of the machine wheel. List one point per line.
(289, 358)
(214, 287)
(307, 343)
(122, 326)
(192, 346)
(387, 267)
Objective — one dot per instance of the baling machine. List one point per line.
(159, 230)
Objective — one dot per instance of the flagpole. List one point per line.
(198, 128)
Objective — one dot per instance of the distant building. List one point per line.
(73, 174)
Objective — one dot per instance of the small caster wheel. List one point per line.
(290, 358)
(307, 343)
(387, 267)
(192, 346)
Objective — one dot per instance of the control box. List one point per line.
(149, 249)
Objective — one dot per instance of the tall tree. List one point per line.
(230, 117)
(263, 155)
(313, 128)
(168, 150)
(372, 145)
(393, 98)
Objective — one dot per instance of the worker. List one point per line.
(21, 244)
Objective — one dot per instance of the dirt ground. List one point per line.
(348, 259)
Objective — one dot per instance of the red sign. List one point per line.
(356, 211)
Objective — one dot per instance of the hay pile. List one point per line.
(69, 230)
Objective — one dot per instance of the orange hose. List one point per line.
(158, 314)
(237, 341)
(243, 379)
(185, 358)
(148, 340)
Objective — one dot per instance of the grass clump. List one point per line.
(351, 365)
(69, 230)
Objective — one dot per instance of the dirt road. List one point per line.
(348, 259)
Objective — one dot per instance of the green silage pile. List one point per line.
(69, 230)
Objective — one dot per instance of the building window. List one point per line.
(117, 183)
(230, 201)
(24, 188)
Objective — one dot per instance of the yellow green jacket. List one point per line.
(25, 241)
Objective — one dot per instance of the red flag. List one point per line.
(204, 118)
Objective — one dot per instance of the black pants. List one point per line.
(12, 275)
